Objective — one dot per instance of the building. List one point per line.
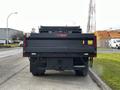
(104, 36)
(12, 34)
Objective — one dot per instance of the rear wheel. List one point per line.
(42, 72)
(36, 67)
(118, 47)
(77, 72)
(35, 74)
(38, 72)
(82, 72)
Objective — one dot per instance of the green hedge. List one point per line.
(9, 45)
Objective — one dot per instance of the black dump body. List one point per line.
(60, 48)
(66, 41)
(66, 29)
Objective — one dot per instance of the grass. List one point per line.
(99, 48)
(107, 66)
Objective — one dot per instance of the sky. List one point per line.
(35, 13)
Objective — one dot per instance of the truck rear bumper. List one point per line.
(65, 55)
(84, 51)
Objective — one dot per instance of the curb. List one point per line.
(98, 81)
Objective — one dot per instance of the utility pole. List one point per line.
(91, 25)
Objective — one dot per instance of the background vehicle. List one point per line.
(59, 48)
(21, 43)
(2, 41)
(114, 43)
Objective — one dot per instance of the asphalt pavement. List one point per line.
(15, 75)
(13, 51)
(6, 49)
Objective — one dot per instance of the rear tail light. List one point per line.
(83, 42)
(87, 42)
(90, 42)
(95, 42)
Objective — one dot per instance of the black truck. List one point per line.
(59, 48)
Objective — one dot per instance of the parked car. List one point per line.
(114, 43)
(10, 41)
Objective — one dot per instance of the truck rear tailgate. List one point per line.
(63, 43)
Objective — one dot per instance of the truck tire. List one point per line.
(40, 73)
(35, 74)
(118, 47)
(78, 72)
(36, 68)
(82, 72)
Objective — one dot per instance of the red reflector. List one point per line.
(25, 43)
(61, 35)
(95, 42)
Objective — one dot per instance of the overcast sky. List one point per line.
(33, 13)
